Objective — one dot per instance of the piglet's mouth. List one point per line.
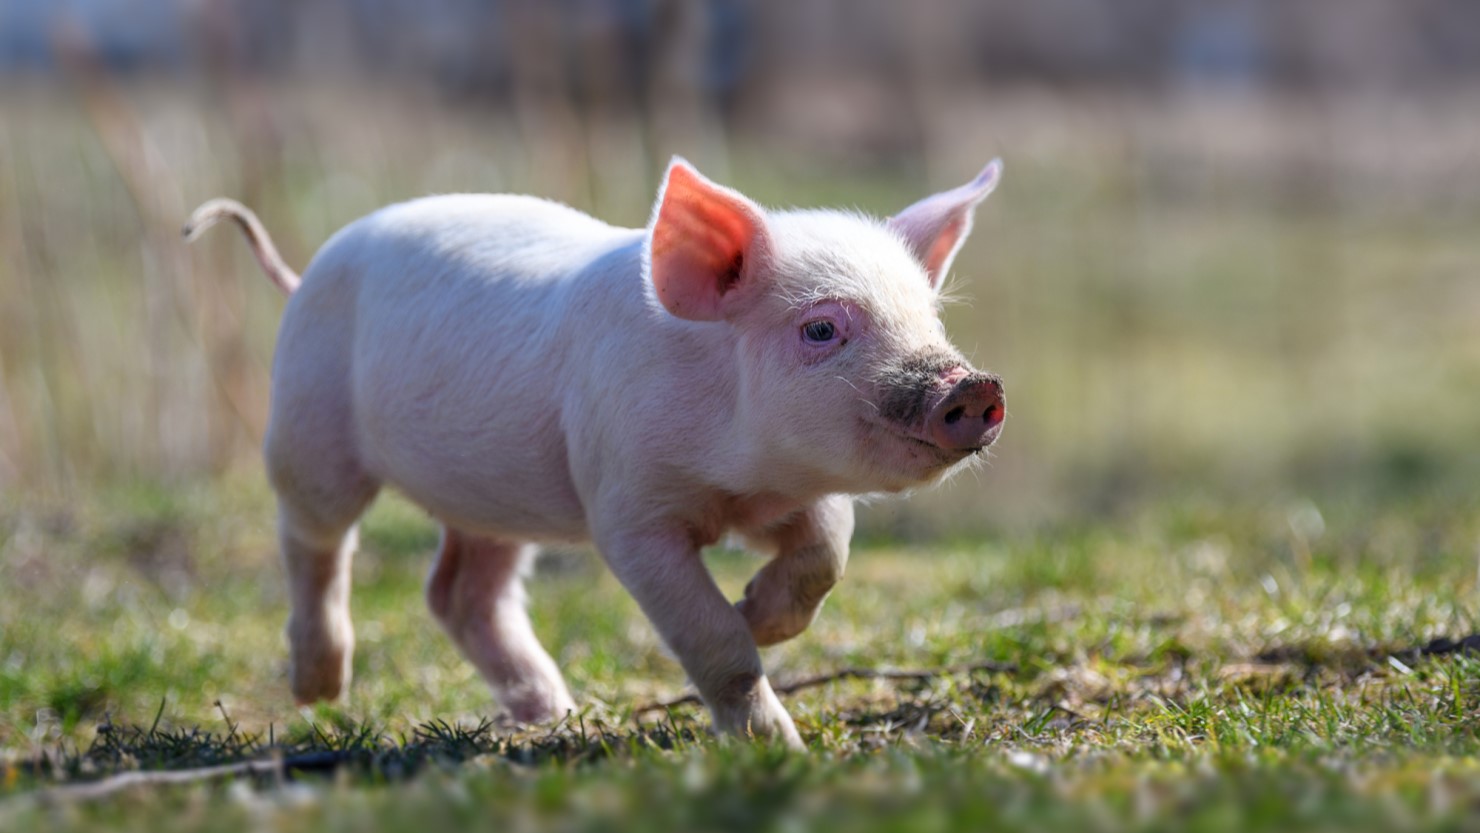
(918, 439)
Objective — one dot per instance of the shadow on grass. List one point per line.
(123, 757)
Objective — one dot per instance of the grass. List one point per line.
(1213, 559)
(1190, 666)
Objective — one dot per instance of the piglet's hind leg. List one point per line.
(476, 592)
(321, 639)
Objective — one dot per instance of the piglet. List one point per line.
(529, 374)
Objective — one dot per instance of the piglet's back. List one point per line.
(447, 322)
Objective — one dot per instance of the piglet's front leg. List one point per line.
(811, 552)
(664, 573)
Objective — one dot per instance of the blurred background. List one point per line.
(1234, 257)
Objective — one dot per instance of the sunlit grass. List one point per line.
(1232, 666)
(1232, 509)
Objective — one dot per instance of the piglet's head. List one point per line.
(845, 378)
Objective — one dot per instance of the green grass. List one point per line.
(1233, 504)
(1189, 666)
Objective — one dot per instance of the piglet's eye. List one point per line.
(819, 332)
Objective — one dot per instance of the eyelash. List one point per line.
(810, 338)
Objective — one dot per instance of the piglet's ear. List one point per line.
(936, 227)
(702, 236)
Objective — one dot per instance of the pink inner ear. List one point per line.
(936, 226)
(699, 242)
(938, 258)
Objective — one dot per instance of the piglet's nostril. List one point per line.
(969, 416)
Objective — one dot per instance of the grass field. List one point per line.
(1205, 582)
(1190, 666)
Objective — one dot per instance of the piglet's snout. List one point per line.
(969, 416)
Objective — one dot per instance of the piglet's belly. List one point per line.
(484, 476)
(514, 505)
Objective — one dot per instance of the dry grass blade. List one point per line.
(278, 768)
(850, 673)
